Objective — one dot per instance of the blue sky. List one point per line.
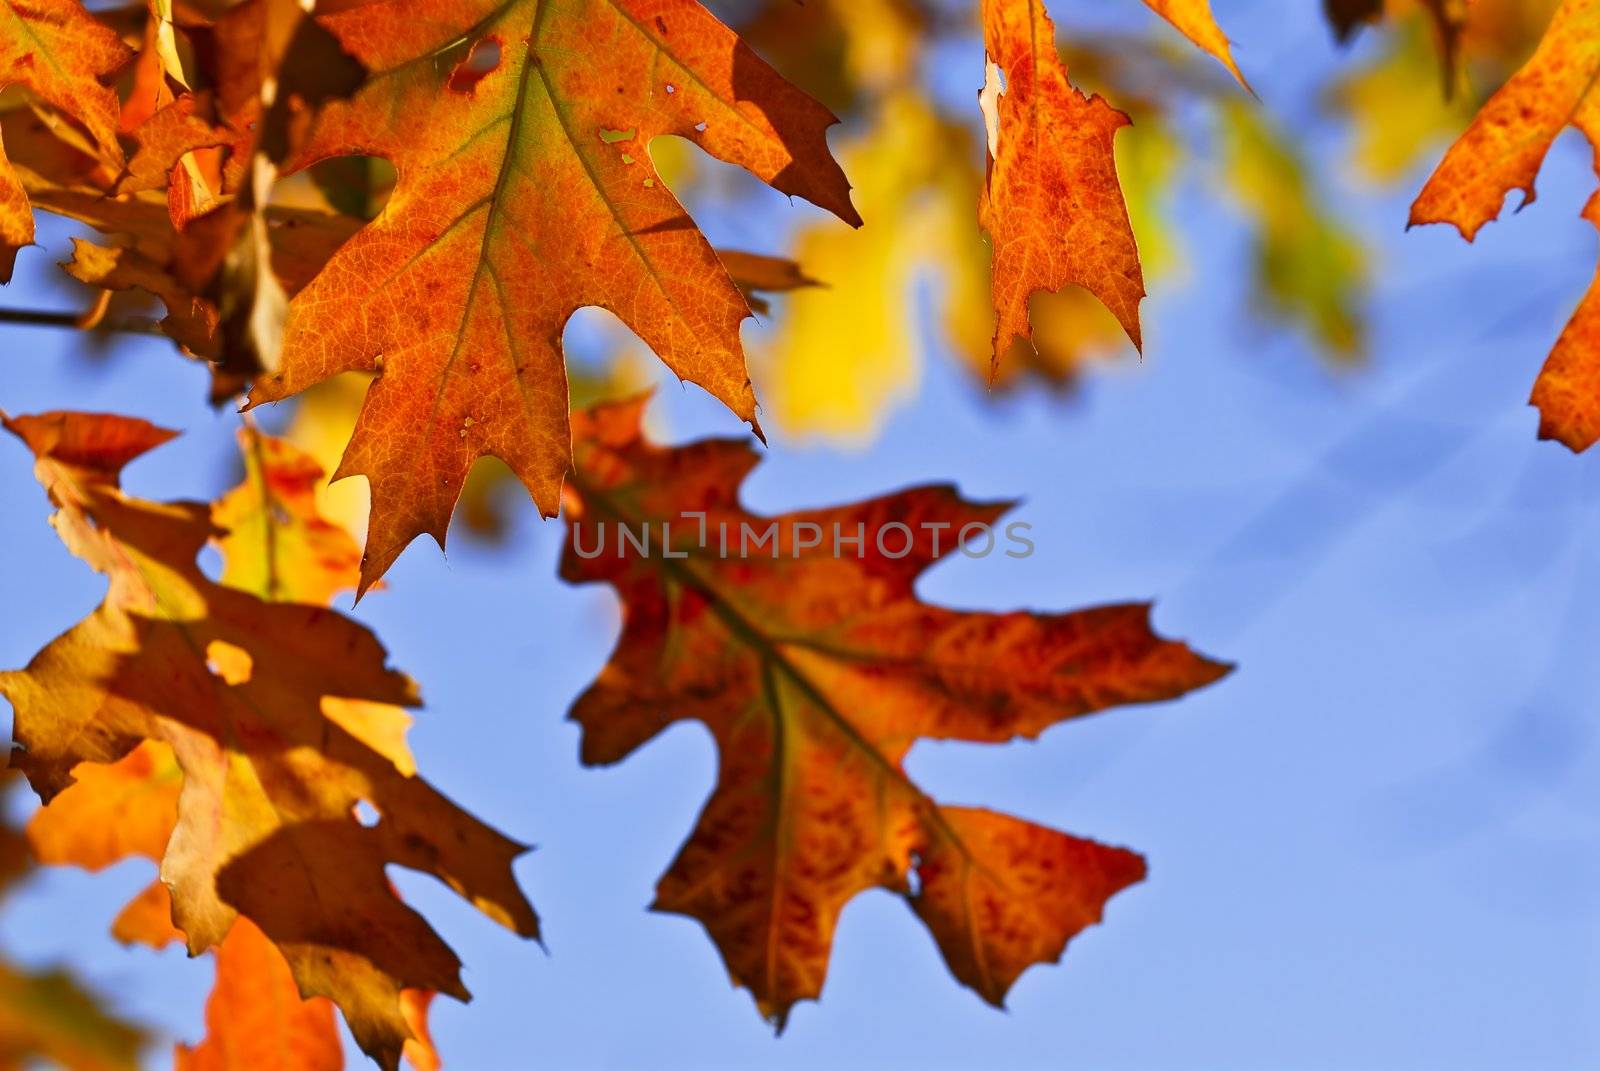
(1376, 845)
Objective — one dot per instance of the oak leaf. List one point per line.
(58, 51)
(1502, 151)
(816, 668)
(1051, 203)
(276, 545)
(520, 131)
(236, 687)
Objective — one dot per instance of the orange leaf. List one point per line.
(59, 51)
(277, 545)
(1502, 151)
(235, 686)
(1051, 204)
(1194, 20)
(816, 668)
(521, 133)
(147, 918)
(111, 812)
(255, 1018)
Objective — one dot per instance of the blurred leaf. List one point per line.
(47, 1016)
(842, 354)
(1308, 268)
(1391, 140)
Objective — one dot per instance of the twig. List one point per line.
(137, 325)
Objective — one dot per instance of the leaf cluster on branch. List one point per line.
(389, 212)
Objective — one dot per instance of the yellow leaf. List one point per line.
(1308, 268)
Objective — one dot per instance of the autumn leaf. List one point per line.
(64, 57)
(525, 192)
(111, 812)
(1389, 141)
(1348, 16)
(1051, 203)
(841, 355)
(816, 668)
(180, 268)
(255, 1018)
(48, 1016)
(1193, 19)
(278, 545)
(275, 545)
(1308, 268)
(1502, 151)
(1449, 19)
(759, 274)
(235, 686)
(1494, 42)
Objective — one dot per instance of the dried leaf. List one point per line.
(816, 668)
(235, 686)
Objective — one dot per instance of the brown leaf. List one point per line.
(1348, 16)
(816, 668)
(757, 274)
(235, 686)
(46, 1016)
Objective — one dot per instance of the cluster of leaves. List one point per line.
(422, 194)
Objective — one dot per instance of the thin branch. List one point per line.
(136, 325)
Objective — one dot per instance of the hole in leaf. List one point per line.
(481, 61)
(994, 87)
(367, 814)
(611, 137)
(211, 562)
(233, 664)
